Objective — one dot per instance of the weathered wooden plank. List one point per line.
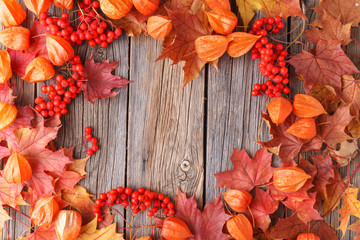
(165, 134)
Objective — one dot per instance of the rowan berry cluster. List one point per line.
(272, 58)
(138, 200)
(62, 92)
(91, 27)
(92, 140)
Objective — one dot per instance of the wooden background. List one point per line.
(153, 136)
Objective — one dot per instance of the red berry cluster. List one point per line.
(91, 26)
(92, 140)
(139, 200)
(272, 58)
(61, 93)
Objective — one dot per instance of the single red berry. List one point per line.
(89, 152)
(88, 129)
(150, 213)
(95, 148)
(38, 100)
(170, 205)
(125, 203)
(120, 189)
(88, 136)
(166, 200)
(172, 212)
(102, 196)
(128, 191)
(93, 140)
(64, 111)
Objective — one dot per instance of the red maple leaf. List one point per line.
(348, 11)
(333, 127)
(325, 173)
(20, 59)
(260, 208)
(291, 227)
(285, 145)
(99, 80)
(188, 28)
(325, 67)
(206, 224)
(46, 164)
(6, 93)
(247, 172)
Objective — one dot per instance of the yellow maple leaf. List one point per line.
(78, 166)
(351, 207)
(89, 232)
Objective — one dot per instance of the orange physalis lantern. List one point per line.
(59, 50)
(146, 7)
(175, 229)
(240, 227)
(307, 236)
(5, 66)
(17, 169)
(67, 4)
(211, 47)
(67, 224)
(116, 9)
(279, 109)
(11, 13)
(38, 70)
(241, 43)
(8, 115)
(290, 179)
(238, 200)
(307, 106)
(37, 6)
(17, 38)
(44, 211)
(159, 26)
(304, 128)
(222, 21)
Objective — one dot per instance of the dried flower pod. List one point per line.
(241, 43)
(67, 224)
(307, 236)
(214, 4)
(116, 9)
(38, 6)
(211, 47)
(238, 200)
(65, 4)
(175, 229)
(159, 26)
(146, 7)
(59, 50)
(222, 21)
(17, 38)
(44, 211)
(304, 128)
(5, 66)
(240, 227)
(307, 106)
(17, 169)
(11, 13)
(279, 109)
(8, 115)
(38, 70)
(290, 179)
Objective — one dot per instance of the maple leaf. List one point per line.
(247, 172)
(41, 233)
(6, 93)
(31, 143)
(67, 181)
(134, 23)
(99, 80)
(304, 209)
(291, 227)
(285, 145)
(328, 28)
(326, 66)
(348, 11)
(188, 28)
(325, 173)
(260, 208)
(206, 224)
(89, 232)
(351, 93)
(333, 127)
(21, 58)
(335, 190)
(351, 206)
(79, 198)
(78, 165)
(271, 8)
(10, 193)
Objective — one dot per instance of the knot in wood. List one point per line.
(185, 165)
